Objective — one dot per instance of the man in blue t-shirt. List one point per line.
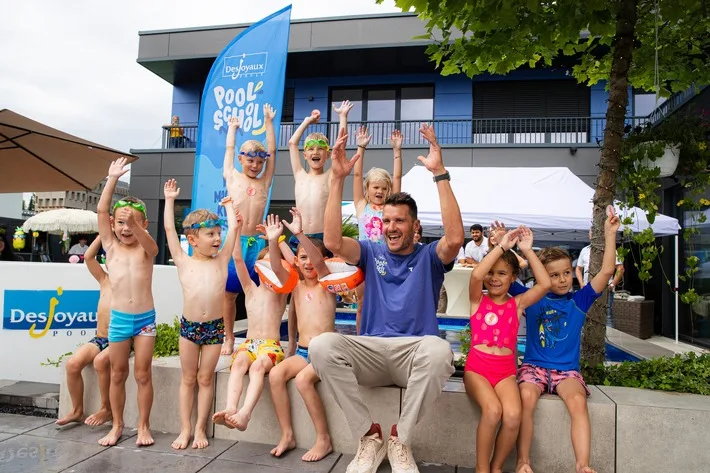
(399, 338)
(552, 348)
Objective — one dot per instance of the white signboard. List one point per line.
(49, 309)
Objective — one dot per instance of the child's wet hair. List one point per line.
(132, 200)
(252, 145)
(318, 243)
(553, 253)
(197, 216)
(376, 175)
(315, 136)
(512, 261)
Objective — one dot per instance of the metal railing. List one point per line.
(553, 131)
(673, 103)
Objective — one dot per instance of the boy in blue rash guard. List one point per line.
(552, 350)
(130, 251)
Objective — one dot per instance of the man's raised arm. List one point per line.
(449, 245)
(346, 248)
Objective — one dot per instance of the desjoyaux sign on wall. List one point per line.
(248, 73)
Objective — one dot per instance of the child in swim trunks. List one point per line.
(316, 309)
(202, 277)
(95, 351)
(262, 349)
(552, 350)
(249, 193)
(130, 251)
(489, 373)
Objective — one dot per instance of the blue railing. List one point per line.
(542, 131)
(673, 103)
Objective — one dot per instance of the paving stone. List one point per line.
(119, 460)
(345, 460)
(164, 440)
(29, 454)
(78, 432)
(4, 436)
(224, 466)
(260, 454)
(14, 424)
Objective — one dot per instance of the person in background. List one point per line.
(177, 133)
(476, 249)
(6, 252)
(80, 248)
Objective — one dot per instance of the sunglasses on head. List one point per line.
(255, 154)
(319, 143)
(136, 205)
(207, 224)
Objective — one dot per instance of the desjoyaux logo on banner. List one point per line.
(241, 101)
(39, 312)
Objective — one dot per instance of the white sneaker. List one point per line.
(369, 454)
(400, 457)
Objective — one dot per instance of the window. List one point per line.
(288, 105)
(385, 109)
(555, 111)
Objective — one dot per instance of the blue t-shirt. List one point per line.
(401, 292)
(554, 328)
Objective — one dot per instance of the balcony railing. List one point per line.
(673, 103)
(557, 131)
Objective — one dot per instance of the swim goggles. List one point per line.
(319, 143)
(208, 224)
(255, 154)
(136, 205)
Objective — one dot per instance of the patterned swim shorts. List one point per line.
(101, 342)
(256, 347)
(548, 379)
(203, 333)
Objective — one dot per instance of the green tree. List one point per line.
(623, 42)
(31, 204)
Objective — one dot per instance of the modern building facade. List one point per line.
(85, 200)
(533, 117)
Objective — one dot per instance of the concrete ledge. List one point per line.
(41, 396)
(659, 431)
(455, 416)
(384, 404)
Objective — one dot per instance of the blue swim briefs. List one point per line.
(125, 326)
(251, 246)
(303, 353)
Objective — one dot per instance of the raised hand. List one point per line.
(396, 139)
(116, 169)
(363, 139)
(269, 112)
(340, 165)
(612, 223)
(433, 162)
(295, 226)
(273, 227)
(225, 200)
(125, 214)
(525, 238)
(171, 190)
(497, 230)
(314, 117)
(509, 239)
(234, 123)
(344, 108)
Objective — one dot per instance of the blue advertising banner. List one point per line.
(248, 73)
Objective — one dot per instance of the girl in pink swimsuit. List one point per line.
(489, 374)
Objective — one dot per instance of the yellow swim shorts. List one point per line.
(256, 347)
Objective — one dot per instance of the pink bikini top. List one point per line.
(495, 325)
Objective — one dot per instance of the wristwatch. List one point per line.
(443, 177)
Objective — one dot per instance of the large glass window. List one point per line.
(384, 109)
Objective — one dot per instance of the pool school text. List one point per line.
(58, 313)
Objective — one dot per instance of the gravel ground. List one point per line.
(28, 411)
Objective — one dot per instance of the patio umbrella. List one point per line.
(63, 221)
(38, 158)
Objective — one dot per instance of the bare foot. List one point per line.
(319, 451)
(112, 437)
(523, 468)
(99, 418)
(227, 346)
(69, 418)
(181, 442)
(220, 418)
(239, 420)
(285, 444)
(585, 469)
(200, 440)
(144, 438)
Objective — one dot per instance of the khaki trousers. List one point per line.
(420, 364)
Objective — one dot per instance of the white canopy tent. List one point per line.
(554, 202)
